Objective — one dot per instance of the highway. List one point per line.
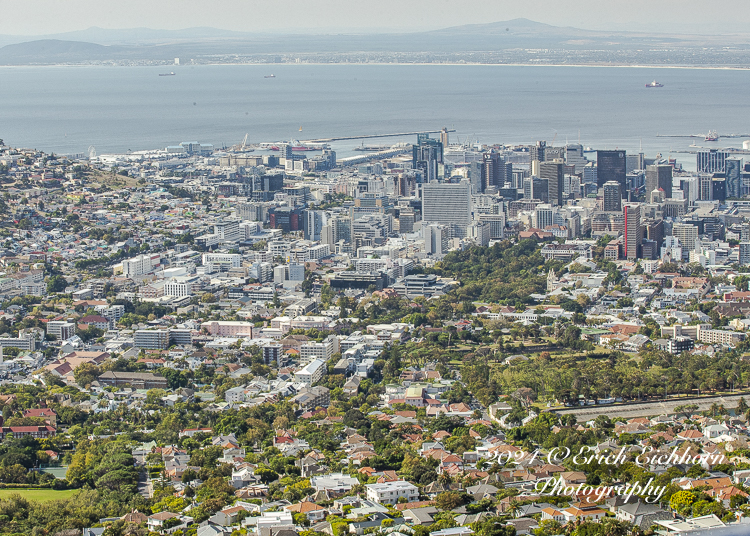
(648, 409)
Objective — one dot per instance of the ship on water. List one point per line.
(654, 84)
(712, 136)
(171, 73)
(270, 76)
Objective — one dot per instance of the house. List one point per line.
(420, 516)
(334, 483)
(313, 512)
(583, 511)
(391, 492)
(641, 514)
(156, 522)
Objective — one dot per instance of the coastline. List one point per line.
(418, 64)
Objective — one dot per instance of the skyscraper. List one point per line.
(426, 155)
(449, 204)
(612, 196)
(733, 174)
(611, 167)
(659, 176)
(705, 188)
(495, 171)
(633, 230)
(554, 174)
(536, 156)
(711, 161)
(687, 234)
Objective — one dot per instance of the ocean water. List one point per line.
(66, 109)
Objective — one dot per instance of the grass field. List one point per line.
(42, 495)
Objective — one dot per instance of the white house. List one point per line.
(391, 492)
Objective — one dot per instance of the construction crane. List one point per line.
(242, 146)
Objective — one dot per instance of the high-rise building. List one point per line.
(733, 174)
(711, 161)
(744, 253)
(634, 162)
(610, 166)
(687, 234)
(495, 171)
(535, 188)
(545, 215)
(719, 189)
(705, 187)
(554, 174)
(444, 137)
(659, 177)
(448, 204)
(427, 155)
(574, 157)
(314, 221)
(536, 155)
(612, 196)
(633, 230)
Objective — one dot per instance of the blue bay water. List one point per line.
(66, 109)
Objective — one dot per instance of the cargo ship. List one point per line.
(167, 74)
(654, 84)
(270, 76)
(712, 136)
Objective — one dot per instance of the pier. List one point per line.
(368, 136)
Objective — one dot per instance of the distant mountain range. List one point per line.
(144, 44)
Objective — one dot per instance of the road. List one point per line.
(647, 409)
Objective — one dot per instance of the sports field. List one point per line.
(42, 495)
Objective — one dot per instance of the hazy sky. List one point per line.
(37, 17)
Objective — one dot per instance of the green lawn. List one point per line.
(42, 495)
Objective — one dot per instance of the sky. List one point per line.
(42, 17)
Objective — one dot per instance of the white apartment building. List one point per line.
(61, 329)
(390, 492)
(318, 350)
(228, 328)
(228, 231)
(311, 373)
(140, 265)
(182, 286)
(228, 260)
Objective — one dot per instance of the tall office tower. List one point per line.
(536, 156)
(690, 189)
(285, 150)
(535, 188)
(444, 137)
(313, 223)
(711, 161)
(449, 204)
(427, 154)
(659, 176)
(545, 215)
(719, 189)
(554, 174)
(554, 153)
(744, 253)
(518, 177)
(476, 173)
(338, 228)
(705, 187)
(733, 174)
(633, 230)
(611, 167)
(574, 157)
(687, 234)
(654, 230)
(612, 196)
(495, 171)
(634, 162)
